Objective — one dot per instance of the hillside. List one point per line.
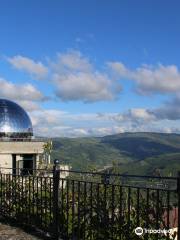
(132, 152)
(86, 153)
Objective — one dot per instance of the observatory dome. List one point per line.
(14, 121)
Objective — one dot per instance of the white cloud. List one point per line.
(48, 118)
(76, 78)
(144, 120)
(29, 106)
(26, 95)
(141, 114)
(56, 123)
(60, 123)
(119, 68)
(37, 69)
(73, 60)
(19, 92)
(88, 87)
(150, 79)
(169, 110)
(53, 123)
(134, 115)
(103, 131)
(161, 79)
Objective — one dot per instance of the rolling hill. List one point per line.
(139, 153)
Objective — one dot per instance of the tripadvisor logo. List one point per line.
(139, 231)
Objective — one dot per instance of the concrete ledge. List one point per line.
(22, 147)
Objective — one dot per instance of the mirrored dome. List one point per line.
(14, 121)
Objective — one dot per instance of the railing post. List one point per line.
(56, 177)
(178, 192)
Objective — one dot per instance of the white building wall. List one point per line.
(7, 148)
(5, 162)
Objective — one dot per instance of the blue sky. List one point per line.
(84, 68)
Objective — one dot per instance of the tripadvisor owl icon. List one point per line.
(139, 231)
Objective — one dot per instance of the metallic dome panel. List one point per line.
(14, 121)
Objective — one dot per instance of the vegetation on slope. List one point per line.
(86, 153)
(139, 153)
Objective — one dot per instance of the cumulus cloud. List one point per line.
(119, 68)
(73, 76)
(61, 130)
(140, 114)
(47, 117)
(37, 69)
(170, 110)
(106, 130)
(76, 78)
(56, 123)
(73, 60)
(19, 91)
(26, 95)
(163, 119)
(29, 106)
(133, 120)
(150, 79)
(88, 87)
(134, 115)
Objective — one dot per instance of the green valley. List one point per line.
(137, 153)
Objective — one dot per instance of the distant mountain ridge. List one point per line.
(139, 152)
(142, 145)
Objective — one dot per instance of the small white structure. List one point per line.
(20, 155)
(64, 173)
(20, 152)
(64, 170)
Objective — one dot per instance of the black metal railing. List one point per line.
(85, 205)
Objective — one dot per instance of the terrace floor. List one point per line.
(11, 233)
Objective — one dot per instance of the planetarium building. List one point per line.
(20, 152)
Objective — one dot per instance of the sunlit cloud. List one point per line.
(37, 69)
